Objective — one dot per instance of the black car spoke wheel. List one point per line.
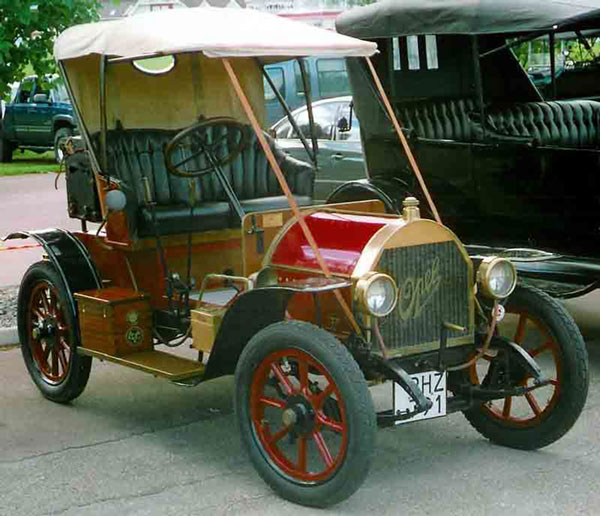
(541, 326)
(305, 413)
(48, 335)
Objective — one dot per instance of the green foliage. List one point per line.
(28, 29)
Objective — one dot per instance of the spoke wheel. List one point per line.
(49, 341)
(49, 336)
(305, 413)
(541, 326)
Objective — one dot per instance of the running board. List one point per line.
(157, 363)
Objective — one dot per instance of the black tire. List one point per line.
(562, 351)
(326, 359)
(6, 149)
(60, 137)
(49, 336)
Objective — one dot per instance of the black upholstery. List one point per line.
(139, 153)
(573, 123)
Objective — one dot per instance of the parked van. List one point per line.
(328, 78)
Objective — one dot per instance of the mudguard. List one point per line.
(69, 256)
(390, 191)
(253, 311)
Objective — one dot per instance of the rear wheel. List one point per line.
(60, 138)
(305, 413)
(6, 149)
(541, 326)
(49, 336)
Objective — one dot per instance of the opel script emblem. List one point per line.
(416, 292)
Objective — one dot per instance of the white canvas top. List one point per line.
(214, 31)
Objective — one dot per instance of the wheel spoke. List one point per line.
(62, 359)
(272, 402)
(37, 313)
(533, 403)
(45, 304)
(46, 353)
(302, 449)
(277, 436)
(521, 327)
(320, 398)
(64, 343)
(554, 382)
(507, 407)
(54, 362)
(323, 450)
(541, 349)
(303, 375)
(283, 379)
(330, 423)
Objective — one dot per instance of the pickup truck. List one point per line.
(38, 116)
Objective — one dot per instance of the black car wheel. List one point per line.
(305, 413)
(49, 335)
(60, 138)
(538, 418)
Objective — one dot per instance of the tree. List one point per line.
(28, 29)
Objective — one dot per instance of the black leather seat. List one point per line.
(564, 123)
(135, 154)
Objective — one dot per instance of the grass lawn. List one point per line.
(29, 162)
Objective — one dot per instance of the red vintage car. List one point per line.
(207, 234)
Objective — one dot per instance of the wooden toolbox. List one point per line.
(115, 321)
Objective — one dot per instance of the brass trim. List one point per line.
(430, 346)
(362, 287)
(484, 272)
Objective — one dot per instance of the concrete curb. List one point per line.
(9, 336)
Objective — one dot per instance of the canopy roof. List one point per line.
(213, 31)
(389, 18)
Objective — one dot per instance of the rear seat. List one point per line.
(565, 123)
(134, 154)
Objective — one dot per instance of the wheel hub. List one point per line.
(45, 328)
(299, 415)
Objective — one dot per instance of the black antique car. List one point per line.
(509, 168)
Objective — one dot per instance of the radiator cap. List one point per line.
(411, 210)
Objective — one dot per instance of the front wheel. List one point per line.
(541, 326)
(49, 335)
(305, 413)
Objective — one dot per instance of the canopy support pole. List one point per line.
(552, 45)
(403, 141)
(478, 81)
(286, 190)
(103, 124)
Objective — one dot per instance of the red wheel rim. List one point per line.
(298, 416)
(48, 333)
(528, 409)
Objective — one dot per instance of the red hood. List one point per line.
(341, 237)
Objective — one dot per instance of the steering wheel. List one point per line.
(205, 146)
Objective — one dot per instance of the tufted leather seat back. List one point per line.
(138, 153)
(573, 123)
(439, 120)
(133, 154)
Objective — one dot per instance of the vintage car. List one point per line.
(207, 236)
(508, 167)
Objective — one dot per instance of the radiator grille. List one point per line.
(434, 284)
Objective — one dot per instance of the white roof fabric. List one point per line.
(213, 31)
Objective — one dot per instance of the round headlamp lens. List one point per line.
(498, 277)
(380, 296)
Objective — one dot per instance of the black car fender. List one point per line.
(251, 312)
(390, 191)
(70, 258)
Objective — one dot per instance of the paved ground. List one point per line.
(135, 445)
(29, 202)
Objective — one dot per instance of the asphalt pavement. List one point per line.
(136, 445)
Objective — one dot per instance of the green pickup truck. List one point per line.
(38, 116)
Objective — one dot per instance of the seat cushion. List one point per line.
(176, 219)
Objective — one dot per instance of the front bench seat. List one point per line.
(137, 153)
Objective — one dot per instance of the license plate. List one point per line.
(433, 385)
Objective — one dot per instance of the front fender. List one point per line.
(253, 311)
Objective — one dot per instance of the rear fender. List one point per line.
(70, 258)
